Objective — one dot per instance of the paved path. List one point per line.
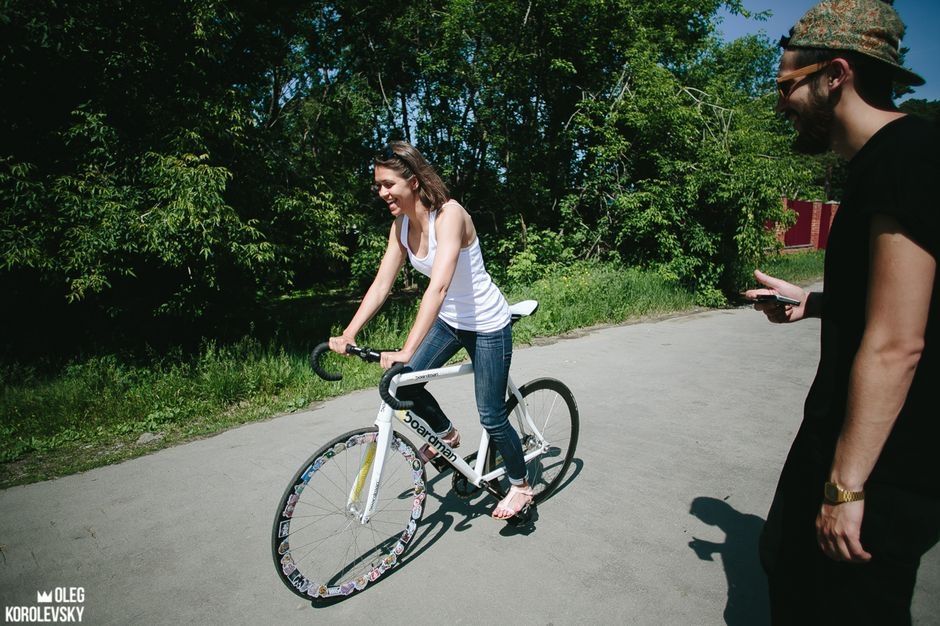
(685, 424)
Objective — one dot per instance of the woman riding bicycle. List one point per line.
(461, 307)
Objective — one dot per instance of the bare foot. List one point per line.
(516, 500)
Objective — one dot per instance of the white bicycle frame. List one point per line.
(375, 458)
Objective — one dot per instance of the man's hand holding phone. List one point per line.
(779, 300)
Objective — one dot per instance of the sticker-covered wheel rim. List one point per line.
(321, 549)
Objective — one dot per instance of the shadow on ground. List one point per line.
(748, 602)
(457, 514)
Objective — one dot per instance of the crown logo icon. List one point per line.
(43, 598)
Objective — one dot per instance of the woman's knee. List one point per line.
(494, 422)
(417, 394)
(409, 392)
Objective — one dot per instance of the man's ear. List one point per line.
(838, 72)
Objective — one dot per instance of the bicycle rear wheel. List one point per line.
(321, 549)
(554, 414)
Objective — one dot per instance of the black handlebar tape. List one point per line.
(315, 363)
(390, 400)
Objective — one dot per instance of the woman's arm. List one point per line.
(450, 225)
(378, 292)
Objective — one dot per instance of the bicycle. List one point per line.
(351, 510)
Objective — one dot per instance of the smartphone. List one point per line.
(768, 297)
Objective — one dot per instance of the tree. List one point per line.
(927, 109)
(145, 175)
(181, 162)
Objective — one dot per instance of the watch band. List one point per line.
(834, 494)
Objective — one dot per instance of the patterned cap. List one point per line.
(871, 27)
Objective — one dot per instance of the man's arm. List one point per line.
(900, 288)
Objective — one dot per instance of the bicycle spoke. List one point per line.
(320, 545)
(549, 417)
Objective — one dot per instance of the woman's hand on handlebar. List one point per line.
(339, 344)
(390, 358)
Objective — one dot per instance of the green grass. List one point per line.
(800, 268)
(586, 295)
(94, 412)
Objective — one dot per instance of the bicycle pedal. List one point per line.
(525, 511)
(524, 516)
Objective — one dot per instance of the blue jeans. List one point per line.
(491, 354)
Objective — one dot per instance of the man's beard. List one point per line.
(816, 124)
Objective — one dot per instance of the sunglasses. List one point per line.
(788, 82)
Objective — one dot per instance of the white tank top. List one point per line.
(473, 301)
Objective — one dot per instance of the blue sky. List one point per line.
(922, 18)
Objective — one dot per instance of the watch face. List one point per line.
(834, 494)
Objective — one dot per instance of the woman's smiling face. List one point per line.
(394, 189)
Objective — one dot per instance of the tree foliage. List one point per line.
(927, 109)
(179, 161)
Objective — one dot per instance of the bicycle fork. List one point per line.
(374, 462)
(356, 492)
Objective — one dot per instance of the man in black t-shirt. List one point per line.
(858, 501)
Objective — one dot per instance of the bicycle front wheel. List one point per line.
(553, 424)
(321, 548)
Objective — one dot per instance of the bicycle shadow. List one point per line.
(454, 512)
(459, 513)
(748, 602)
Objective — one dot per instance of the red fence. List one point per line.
(811, 230)
(801, 233)
(827, 214)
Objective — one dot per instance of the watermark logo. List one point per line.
(61, 604)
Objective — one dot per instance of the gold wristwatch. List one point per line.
(834, 494)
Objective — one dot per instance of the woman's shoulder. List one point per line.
(453, 206)
(455, 219)
(452, 211)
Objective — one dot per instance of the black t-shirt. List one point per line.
(897, 173)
